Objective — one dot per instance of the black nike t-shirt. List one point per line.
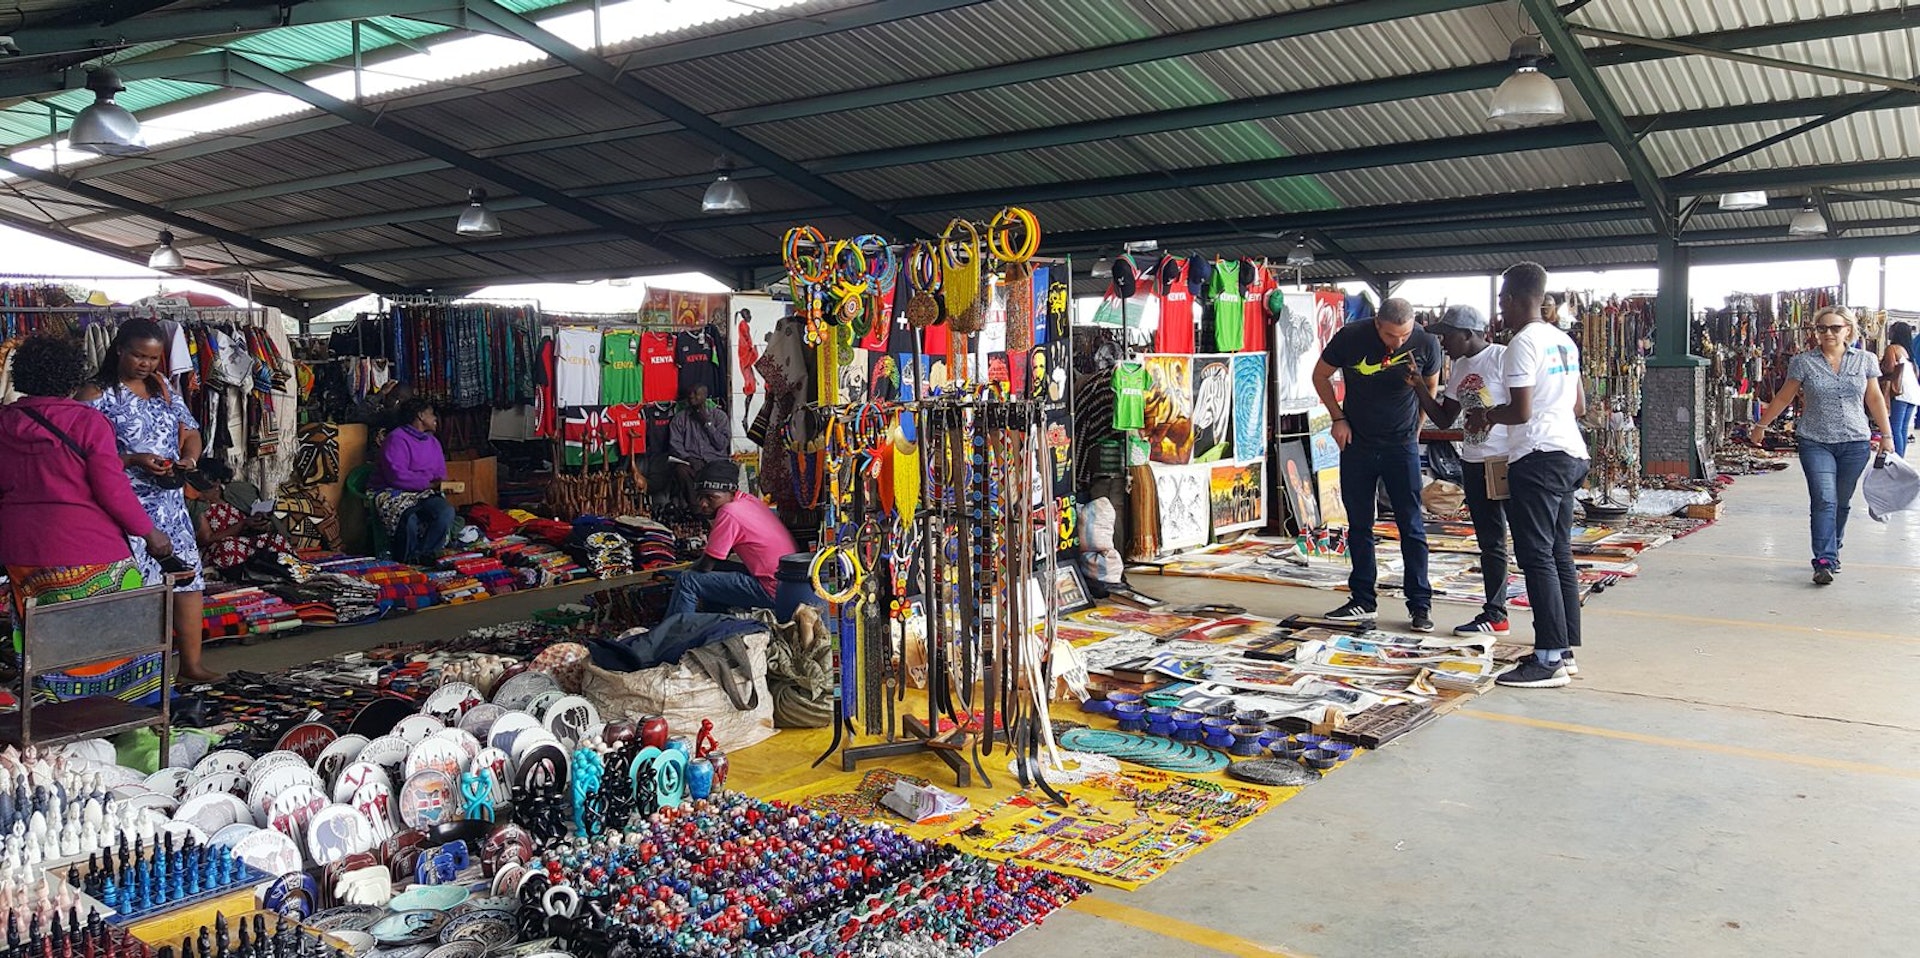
(1380, 406)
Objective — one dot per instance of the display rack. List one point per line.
(102, 628)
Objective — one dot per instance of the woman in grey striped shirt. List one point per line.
(1835, 440)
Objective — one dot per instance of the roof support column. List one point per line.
(1674, 400)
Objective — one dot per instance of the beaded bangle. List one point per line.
(1006, 225)
(849, 567)
(809, 268)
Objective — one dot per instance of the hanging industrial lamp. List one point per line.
(476, 219)
(1102, 268)
(724, 197)
(1301, 257)
(1808, 222)
(106, 127)
(165, 256)
(1528, 97)
(1742, 201)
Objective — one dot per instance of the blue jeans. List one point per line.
(717, 592)
(1363, 469)
(423, 530)
(1490, 531)
(1541, 486)
(1902, 414)
(1833, 473)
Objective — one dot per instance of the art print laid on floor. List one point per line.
(1237, 496)
(1332, 511)
(1071, 589)
(1184, 513)
(1250, 406)
(1296, 349)
(1169, 414)
(1212, 408)
(1297, 484)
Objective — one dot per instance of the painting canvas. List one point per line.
(1071, 589)
(1169, 416)
(1184, 514)
(1332, 511)
(1212, 408)
(1326, 452)
(1296, 344)
(1237, 496)
(1249, 406)
(1297, 483)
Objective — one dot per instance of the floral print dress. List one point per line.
(152, 425)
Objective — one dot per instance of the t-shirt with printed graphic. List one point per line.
(697, 353)
(620, 368)
(1479, 382)
(1175, 334)
(576, 377)
(659, 374)
(1130, 396)
(1256, 282)
(628, 428)
(1544, 360)
(1380, 406)
(1228, 315)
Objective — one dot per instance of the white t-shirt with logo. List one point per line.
(1542, 358)
(1479, 382)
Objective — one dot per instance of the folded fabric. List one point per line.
(643, 649)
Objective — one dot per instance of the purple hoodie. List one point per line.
(410, 460)
(55, 509)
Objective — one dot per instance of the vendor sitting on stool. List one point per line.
(742, 526)
(697, 435)
(406, 486)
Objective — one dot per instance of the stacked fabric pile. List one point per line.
(491, 572)
(330, 598)
(249, 611)
(538, 564)
(454, 588)
(400, 586)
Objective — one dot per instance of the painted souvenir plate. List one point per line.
(389, 752)
(407, 927)
(181, 831)
(272, 760)
(451, 701)
(415, 729)
(293, 807)
(469, 746)
(569, 717)
(457, 949)
(219, 783)
(164, 804)
(337, 831)
(380, 715)
(266, 793)
(516, 692)
(374, 801)
(486, 930)
(229, 836)
(428, 798)
(308, 739)
(437, 754)
(269, 851)
(357, 773)
(429, 898)
(224, 760)
(336, 755)
(539, 704)
(497, 762)
(479, 720)
(170, 781)
(506, 881)
(353, 942)
(405, 951)
(346, 918)
(508, 726)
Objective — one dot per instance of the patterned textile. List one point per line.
(134, 680)
(392, 504)
(152, 425)
(234, 551)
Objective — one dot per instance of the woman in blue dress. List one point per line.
(159, 441)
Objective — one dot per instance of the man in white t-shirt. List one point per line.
(1546, 461)
(1475, 380)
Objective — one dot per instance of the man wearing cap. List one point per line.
(743, 526)
(1378, 430)
(1475, 382)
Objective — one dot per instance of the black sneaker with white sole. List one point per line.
(1352, 612)
(1420, 621)
(1531, 674)
(1482, 624)
(1823, 574)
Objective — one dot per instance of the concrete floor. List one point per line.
(1734, 774)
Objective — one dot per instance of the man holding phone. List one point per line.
(1475, 381)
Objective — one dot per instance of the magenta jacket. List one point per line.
(56, 510)
(410, 460)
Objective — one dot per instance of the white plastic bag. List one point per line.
(1891, 486)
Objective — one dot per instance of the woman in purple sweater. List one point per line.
(406, 486)
(60, 470)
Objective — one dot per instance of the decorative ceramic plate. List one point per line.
(337, 831)
(224, 760)
(294, 807)
(335, 756)
(569, 717)
(269, 851)
(358, 773)
(346, 918)
(170, 781)
(374, 801)
(539, 703)
(272, 760)
(516, 692)
(436, 754)
(458, 949)
(463, 738)
(479, 719)
(428, 798)
(353, 941)
(484, 929)
(309, 739)
(451, 701)
(407, 927)
(508, 726)
(219, 783)
(227, 837)
(429, 898)
(414, 729)
(388, 752)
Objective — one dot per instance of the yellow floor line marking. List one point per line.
(1603, 610)
(1811, 761)
(1178, 930)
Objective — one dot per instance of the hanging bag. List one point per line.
(1890, 486)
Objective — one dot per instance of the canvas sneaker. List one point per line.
(1420, 621)
(1530, 674)
(1482, 624)
(1351, 612)
(1567, 662)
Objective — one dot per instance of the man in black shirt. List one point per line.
(1378, 429)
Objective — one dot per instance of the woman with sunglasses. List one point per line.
(1839, 383)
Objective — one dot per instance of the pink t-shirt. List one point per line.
(748, 528)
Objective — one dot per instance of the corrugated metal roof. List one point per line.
(1878, 135)
(1479, 176)
(1673, 19)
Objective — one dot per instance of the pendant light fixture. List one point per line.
(1742, 201)
(1528, 97)
(1808, 222)
(1102, 268)
(476, 219)
(106, 127)
(1301, 257)
(724, 197)
(165, 256)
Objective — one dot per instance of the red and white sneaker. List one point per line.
(1482, 624)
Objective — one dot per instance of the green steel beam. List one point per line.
(213, 23)
(486, 169)
(646, 95)
(96, 194)
(1672, 341)
(1586, 81)
(1905, 244)
(1354, 261)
